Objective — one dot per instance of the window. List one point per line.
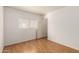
(23, 23)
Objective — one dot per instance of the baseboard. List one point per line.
(65, 45)
(41, 37)
(25, 41)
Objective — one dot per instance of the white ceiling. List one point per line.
(38, 9)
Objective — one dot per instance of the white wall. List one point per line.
(63, 26)
(1, 28)
(13, 34)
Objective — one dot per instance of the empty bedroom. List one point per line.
(40, 29)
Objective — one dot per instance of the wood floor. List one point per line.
(38, 46)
